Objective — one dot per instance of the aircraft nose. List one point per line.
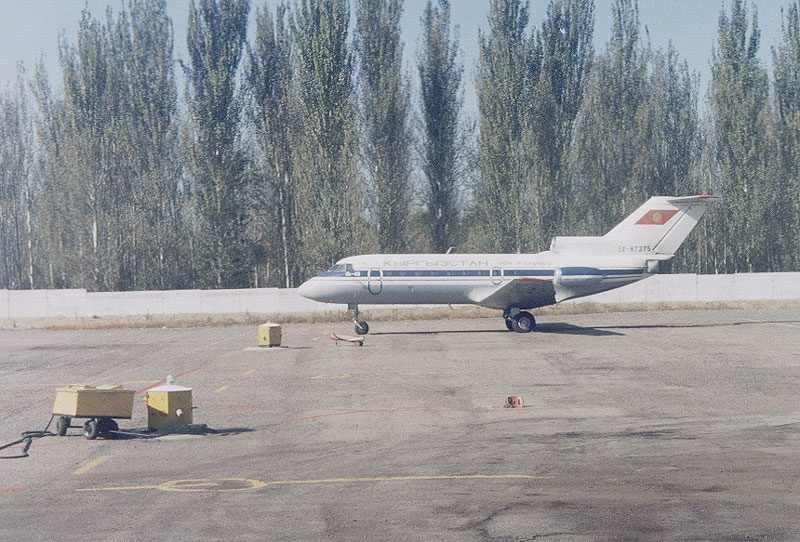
(309, 290)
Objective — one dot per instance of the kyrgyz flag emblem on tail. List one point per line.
(657, 218)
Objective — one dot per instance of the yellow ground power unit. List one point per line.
(269, 335)
(169, 405)
(82, 401)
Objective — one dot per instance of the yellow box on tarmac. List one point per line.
(269, 335)
(82, 401)
(169, 405)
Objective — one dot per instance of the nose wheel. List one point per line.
(361, 327)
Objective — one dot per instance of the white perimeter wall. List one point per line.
(82, 304)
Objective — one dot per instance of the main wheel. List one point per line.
(90, 429)
(62, 424)
(362, 328)
(524, 322)
(510, 324)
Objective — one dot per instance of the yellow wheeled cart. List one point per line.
(99, 404)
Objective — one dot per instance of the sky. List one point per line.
(30, 29)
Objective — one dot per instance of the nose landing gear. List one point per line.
(361, 328)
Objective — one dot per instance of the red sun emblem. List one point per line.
(656, 217)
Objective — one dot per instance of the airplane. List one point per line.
(515, 283)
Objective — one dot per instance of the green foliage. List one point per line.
(739, 99)
(108, 217)
(567, 57)
(441, 145)
(385, 142)
(273, 115)
(257, 180)
(154, 216)
(216, 163)
(608, 157)
(329, 202)
(16, 188)
(787, 105)
(508, 67)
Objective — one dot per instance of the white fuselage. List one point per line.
(472, 278)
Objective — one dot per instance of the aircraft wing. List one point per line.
(525, 293)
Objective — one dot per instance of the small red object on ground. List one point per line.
(357, 341)
(515, 401)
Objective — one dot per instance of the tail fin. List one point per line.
(658, 227)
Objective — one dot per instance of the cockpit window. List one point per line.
(341, 268)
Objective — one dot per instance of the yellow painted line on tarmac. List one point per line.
(251, 371)
(221, 389)
(120, 488)
(244, 484)
(424, 373)
(92, 464)
(421, 373)
(406, 478)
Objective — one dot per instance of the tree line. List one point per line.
(314, 142)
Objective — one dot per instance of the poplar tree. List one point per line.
(330, 199)
(270, 78)
(155, 227)
(508, 66)
(609, 140)
(441, 145)
(56, 201)
(386, 139)
(215, 40)
(738, 95)
(108, 204)
(567, 57)
(786, 59)
(17, 179)
(91, 116)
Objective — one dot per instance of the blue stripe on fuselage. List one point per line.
(407, 273)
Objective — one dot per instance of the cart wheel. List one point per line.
(106, 426)
(90, 429)
(62, 424)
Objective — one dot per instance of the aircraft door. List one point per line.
(375, 281)
(497, 275)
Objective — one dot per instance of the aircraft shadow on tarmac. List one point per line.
(558, 327)
(570, 329)
(600, 331)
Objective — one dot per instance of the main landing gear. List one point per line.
(361, 328)
(519, 321)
